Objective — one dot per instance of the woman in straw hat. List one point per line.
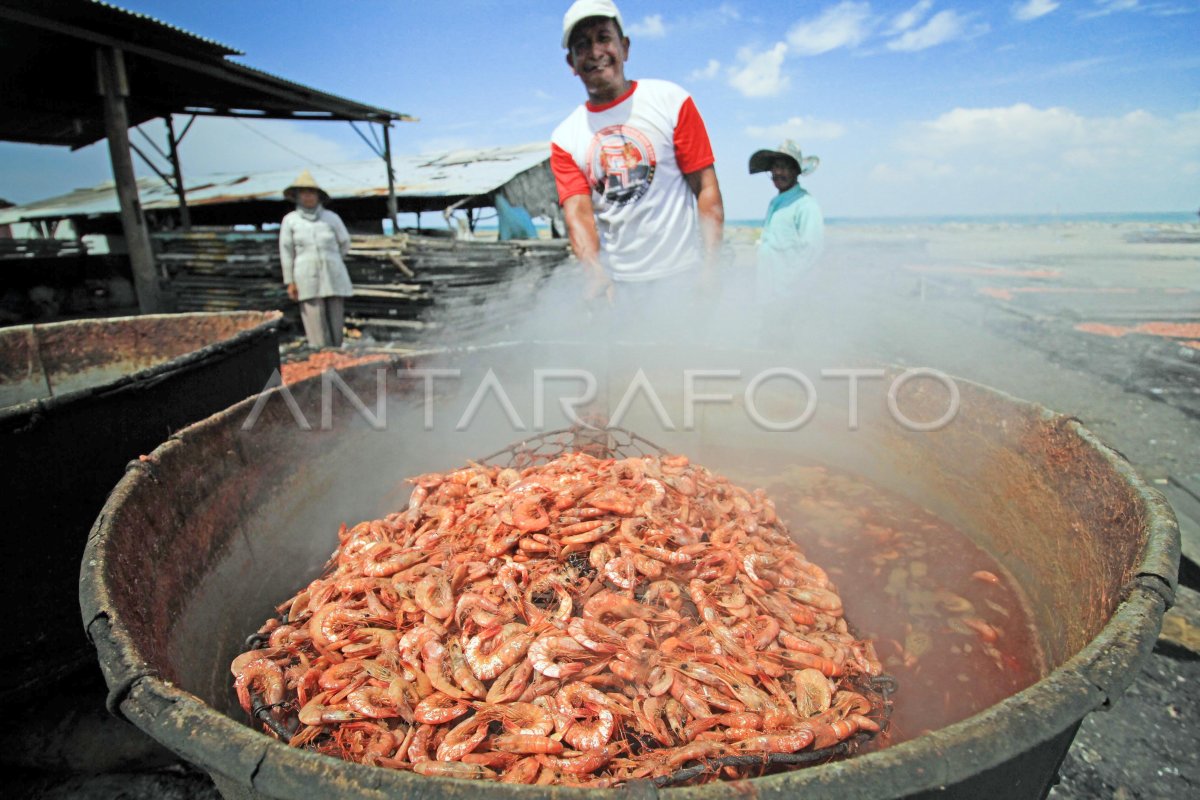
(312, 241)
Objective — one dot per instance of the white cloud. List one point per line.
(1021, 157)
(800, 128)
(1032, 9)
(942, 27)
(710, 71)
(651, 27)
(1102, 8)
(912, 16)
(760, 74)
(844, 25)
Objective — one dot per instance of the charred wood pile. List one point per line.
(407, 288)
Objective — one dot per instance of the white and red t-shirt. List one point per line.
(631, 155)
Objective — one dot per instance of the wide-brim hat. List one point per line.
(305, 181)
(585, 9)
(762, 159)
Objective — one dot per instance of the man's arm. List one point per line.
(711, 210)
(585, 241)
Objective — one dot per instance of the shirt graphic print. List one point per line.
(621, 164)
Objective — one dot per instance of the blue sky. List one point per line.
(915, 108)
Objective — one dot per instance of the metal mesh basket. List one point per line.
(591, 437)
(594, 438)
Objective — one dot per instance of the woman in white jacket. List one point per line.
(312, 241)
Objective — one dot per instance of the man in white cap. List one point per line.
(793, 233)
(634, 169)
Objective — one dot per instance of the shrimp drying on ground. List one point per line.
(589, 621)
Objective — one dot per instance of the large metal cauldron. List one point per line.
(235, 513)
(78, 400)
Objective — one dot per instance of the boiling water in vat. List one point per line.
(919, 588)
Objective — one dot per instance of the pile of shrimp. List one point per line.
(585, 622)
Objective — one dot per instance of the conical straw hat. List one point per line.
(304, 181)
(761, 160)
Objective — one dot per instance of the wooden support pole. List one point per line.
(110, 64)
(391, 176)
(185, 216)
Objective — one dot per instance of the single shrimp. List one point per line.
(582, 702)
(585, 532)
(511, 683)
(438, 708)
(648, 714)
(434, 596)
(242, 661)
(579, 763)
(492, 759)
(524, 771)
(461, 670)
(544, 655)
(380, 560)
(339, 676)
(814, 693)
(758, 631)
(377, 703)
(693, 751)
(820, 599)
(367, 741)
(525, 718)
(605, 603)
(479, 609)
(511, 576)
(509, 645)
(453, 769)
(324, 625)
(538, 590)
(594, 636)
(529, 515)
(418, 747)
(463, 738)
(612, 499)
(527, 744)
(316, 712)
(500, 538)
(439, 669)
(780, 742)
(986, 577)
(673, 557)
(267, 676)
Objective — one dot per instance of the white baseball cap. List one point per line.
(582, 9)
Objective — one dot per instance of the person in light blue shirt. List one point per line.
(794, 231)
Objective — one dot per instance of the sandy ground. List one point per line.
(990, 303)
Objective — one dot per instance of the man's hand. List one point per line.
(598, 285)
(710, 209)
(293, 292)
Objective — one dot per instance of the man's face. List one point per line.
(308, 197)
(784, 174)
(597, 55)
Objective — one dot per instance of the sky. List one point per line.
(933, 107)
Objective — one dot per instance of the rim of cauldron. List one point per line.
(268, 321)
(1094, 677)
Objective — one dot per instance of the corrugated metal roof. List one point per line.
(169, 71)
(224, 49)
(457, 173)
